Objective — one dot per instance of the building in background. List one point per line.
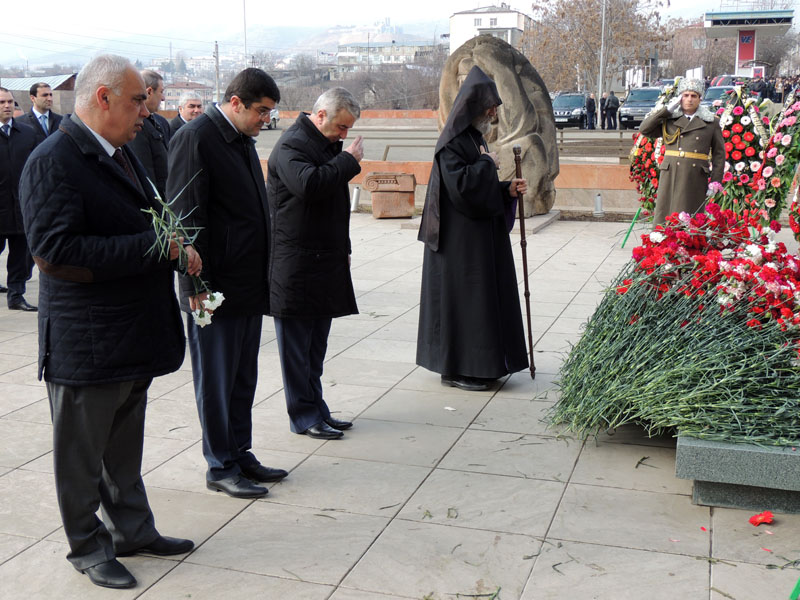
(502, 21)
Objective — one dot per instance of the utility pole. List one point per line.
(368, 67)
(602, 54)
(244, 16)
(216, 75)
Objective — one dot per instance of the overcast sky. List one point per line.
(83, 26)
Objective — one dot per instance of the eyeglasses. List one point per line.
(263, 111)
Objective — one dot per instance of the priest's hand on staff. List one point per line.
(493, 156)
(518, 186)
(356, 148)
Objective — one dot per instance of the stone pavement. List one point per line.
(435, 493)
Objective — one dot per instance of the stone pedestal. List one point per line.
(741, 475)
(392, 194)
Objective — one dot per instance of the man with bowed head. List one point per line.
(108, 317)
(470, 322)
(215, 155)
(692, 138)
(309, 267)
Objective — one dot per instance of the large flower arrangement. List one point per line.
(745, 136)
(699, 334)
(646, 155)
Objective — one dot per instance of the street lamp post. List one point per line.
(602, 53)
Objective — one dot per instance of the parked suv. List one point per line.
(636, 105)
(714, 93)
(274, 117)
(569, 110)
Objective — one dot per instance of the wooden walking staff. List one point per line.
(524, 245)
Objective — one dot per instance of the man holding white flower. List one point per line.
(108, 317)
(695, 150)
(227, 201)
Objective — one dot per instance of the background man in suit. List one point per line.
(151, 145)
(109, 320)
(310, 257)
(41, 118)
(228, 201)
(17, 141)
(612, 106)
(189, 108)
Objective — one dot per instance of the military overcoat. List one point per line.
(683, 180)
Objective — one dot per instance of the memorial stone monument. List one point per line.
(525, 118)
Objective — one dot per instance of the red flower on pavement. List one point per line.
(764, 517)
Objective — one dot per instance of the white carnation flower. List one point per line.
(214, 300)
(657, 237)
(201, 317)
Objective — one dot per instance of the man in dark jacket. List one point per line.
(591, 109)
(309, 268)
(151, 145)
(228, 201)
(470, 322)
(40, 118)
(17, 141)
(189, 108)
(108, 320)
(612, 106)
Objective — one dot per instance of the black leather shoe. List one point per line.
(110, 574)
(3, 289)
(22, 305)
(323, 431)
(238, 487)
(337, 424)
(470, 384)
(162, 546)
(263, 474)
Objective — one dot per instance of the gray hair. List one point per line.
(151, 78)
(186, 96)
(336, 99)
(106, 69)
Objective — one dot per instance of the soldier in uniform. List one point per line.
(695, 150)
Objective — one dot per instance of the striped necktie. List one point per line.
(43, 121)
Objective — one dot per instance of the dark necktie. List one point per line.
(6, 130)
(119, 157)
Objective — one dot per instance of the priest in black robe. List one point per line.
(470, 322)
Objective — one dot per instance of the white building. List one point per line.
(501, 21)
(362, 56)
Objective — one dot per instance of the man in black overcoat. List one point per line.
(470, 322)
(228, 201)
(189, 108)
(17, 141)
(108, 319)
(309, 269)
(152, 144)
(40, 117)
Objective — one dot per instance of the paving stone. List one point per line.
(426, 559)
(349, 485)
(481, 501)
(517, 455)
(305, 544)
(574, 570)
(414, 406)
(751, 582)
(632, 519)
(735, 539)
(209, 583)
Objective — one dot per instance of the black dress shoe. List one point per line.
(323, 431)
(470, 384)
(337, 424)
(22, 305)
(238, 487)
(162, 546)
(263, 474)
(3, 289)
(110, 574)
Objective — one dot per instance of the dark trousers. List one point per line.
(225, 368)
(19, 265)
(302, 344)
(611, 118)
(98, 432)
(590, 120)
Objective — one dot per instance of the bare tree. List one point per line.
(565, 40)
